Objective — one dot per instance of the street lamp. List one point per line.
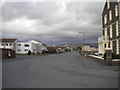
(83, 41)
(83, 37)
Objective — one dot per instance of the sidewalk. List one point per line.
(98, 57)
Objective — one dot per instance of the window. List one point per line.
(19, 44)
(26, 50)
(111, 31)
(105, 19)
(117, 46)
(116, 10)
(26, 45)
(117, 33)
(105, 45)
(110, 15)
(105, 31)
(2, 44)
(10, 44)
(6, 44)
(109, 45)
(19, 49)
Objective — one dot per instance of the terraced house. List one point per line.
(110, 38)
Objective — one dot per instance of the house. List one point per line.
(66, 47)
(32, 45)
(24, 47)
(38, 46)
(41, 47)
(86, 47)
(89, 48)
(44, 47)
(52, 49)
(8, 47)
(110, 39)
(55, 49)
(8, 43)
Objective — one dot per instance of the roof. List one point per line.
(53, 47)
(7, 40)
(34, 41)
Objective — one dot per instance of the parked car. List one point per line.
(96, 54)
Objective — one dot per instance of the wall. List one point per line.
(7, 46)
(4, 53)
(22, 47)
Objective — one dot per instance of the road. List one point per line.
(66, 70)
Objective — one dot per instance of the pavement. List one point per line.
(66, 70)
(98, 57)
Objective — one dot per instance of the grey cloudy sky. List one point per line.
(52, 22)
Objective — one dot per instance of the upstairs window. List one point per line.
(26, 45)
(10, 44)
(110, 15)
(19, 44)
(2, 44)
(105, 31)
(111, 31)
(117, 32)
(6, 44)
(116, 10)
(105, 19)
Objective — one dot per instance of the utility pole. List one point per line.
(83, 41)
(83, 37)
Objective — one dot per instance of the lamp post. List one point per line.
(83, 37)
(83, 40)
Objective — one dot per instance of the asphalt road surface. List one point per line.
(66, 70)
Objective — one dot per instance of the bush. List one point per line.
(51, 51)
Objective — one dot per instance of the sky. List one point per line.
(57, 22)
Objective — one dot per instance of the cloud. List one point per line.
(59, 21)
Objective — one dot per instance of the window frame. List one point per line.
(110, 15)
(26, 45)
(25, 49)
(116, 10)
(111, 31)
(105, 19)
(19, 44)
(6, 44)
